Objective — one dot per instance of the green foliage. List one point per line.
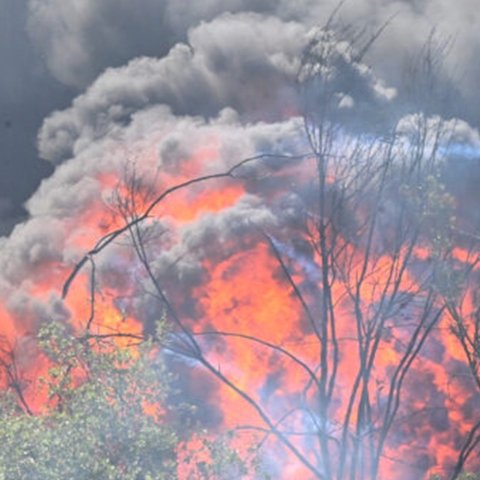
(104, 418)
(462, 476)
(214, 458)
(97, 428)
(434, 211)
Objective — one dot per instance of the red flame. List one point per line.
(245, 292)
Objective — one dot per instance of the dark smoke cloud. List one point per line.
(232, 80)
(27, 94)
(49, 48)
(245, 62)
(81, 39)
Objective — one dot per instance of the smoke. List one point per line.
(81, 39)
(174, 90)
(251, 72)
(71, 43)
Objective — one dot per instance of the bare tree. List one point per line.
(373, 204)
(458, 284)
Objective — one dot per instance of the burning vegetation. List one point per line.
(250, 299)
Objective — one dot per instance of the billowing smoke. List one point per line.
(172, 91)
(71, 43)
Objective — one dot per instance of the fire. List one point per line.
(189, 206)
(250, 321)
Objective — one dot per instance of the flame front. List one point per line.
(240, 263)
